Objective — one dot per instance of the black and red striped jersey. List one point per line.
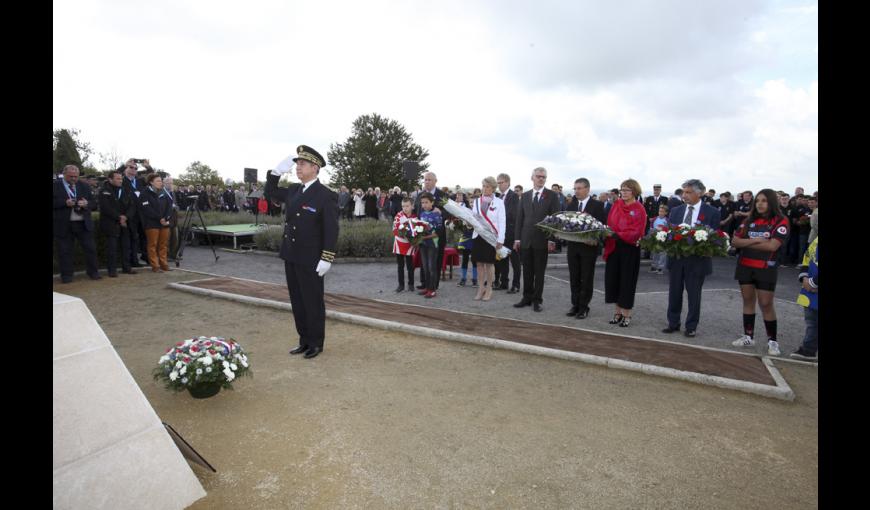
(773, 228)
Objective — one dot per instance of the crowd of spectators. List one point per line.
(139, 211)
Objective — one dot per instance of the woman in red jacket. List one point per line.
(627, 219)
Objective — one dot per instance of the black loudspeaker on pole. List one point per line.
(410, 169)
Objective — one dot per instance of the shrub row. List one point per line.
(366, 238)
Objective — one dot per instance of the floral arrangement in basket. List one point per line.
(574, 226)
(203, 364)
(414, 230)
(685, 240)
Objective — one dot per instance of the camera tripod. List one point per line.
(186, 231)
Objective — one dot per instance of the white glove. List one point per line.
(322, 267)
(284, 166)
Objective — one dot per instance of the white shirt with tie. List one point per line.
(695, 212)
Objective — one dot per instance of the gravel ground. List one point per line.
(383, 420)
(721, 304)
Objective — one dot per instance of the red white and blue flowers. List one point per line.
(202, 361)
(685, 240)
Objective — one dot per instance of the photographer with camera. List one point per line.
(73, 203)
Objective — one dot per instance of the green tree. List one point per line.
(199, 173)
(69, 150)
(374, 153)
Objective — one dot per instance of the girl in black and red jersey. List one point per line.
(759, 238)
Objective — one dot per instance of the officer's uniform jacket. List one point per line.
(310, 221)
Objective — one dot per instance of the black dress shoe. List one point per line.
(583, 314)
(113, 275)
(136, 265)
(573, 311)
(503, 286)
(670, 329)
(400, 288)
(129, 271)
(299, 350)
(513, 290)
(421, 286)
(312, 352)
(522, 304)
(97, 277)
(537, 307)
(690, 333)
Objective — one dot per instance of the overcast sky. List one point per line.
(658, 90)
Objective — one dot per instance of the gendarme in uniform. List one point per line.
(308, 246)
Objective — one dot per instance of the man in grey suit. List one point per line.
(689, 272)
(502, 267)
(535, 205)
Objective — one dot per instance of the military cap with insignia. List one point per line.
(308, 154)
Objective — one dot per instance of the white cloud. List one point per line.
(660, 91)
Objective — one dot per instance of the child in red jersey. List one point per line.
(760, 238)
(402, 246)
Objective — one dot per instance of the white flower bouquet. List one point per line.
(576, 227)
(202, 365)
(476, 221)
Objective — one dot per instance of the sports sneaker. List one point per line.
(804, 355)
(773, 348)
(743, 341)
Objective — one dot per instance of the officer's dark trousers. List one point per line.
(534, 266)
(306, 298)
(686, 273)
(130, 243)
(65, 250)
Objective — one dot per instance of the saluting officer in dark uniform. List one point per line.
(651, 204)
(308, 247)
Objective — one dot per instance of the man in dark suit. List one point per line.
(429, 185)
(675, 201)
(689, 272)
(73, 203)
(612, 195)
(581, 256)
(502, 267)
(308, 247)
(113, 218)
(132, 237)
(535, 205)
